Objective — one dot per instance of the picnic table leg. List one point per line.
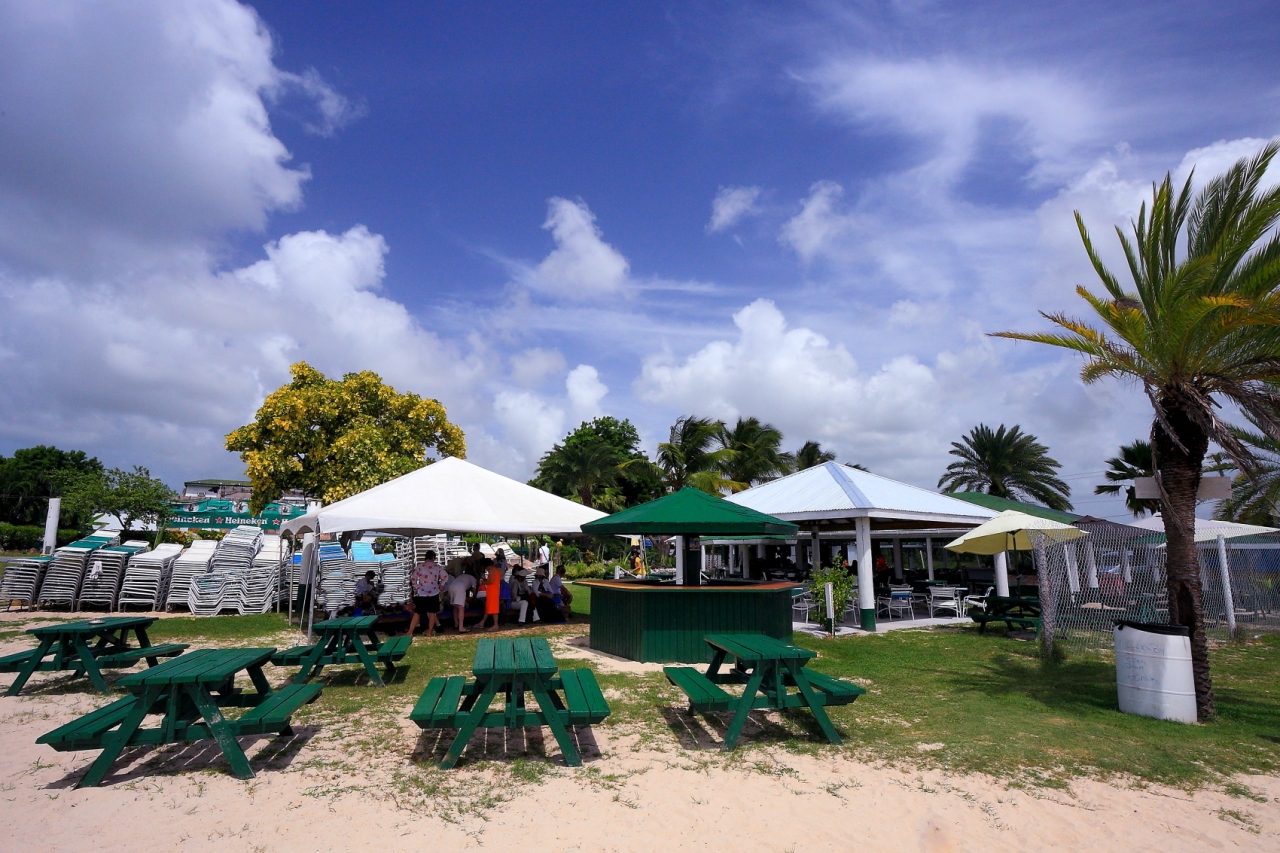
(222, 731)
(819, 712)
(144, 642)
(259, 680)
(90, 664)
(114, 743)
(310, 662)
(551, 717)
(33, 662)
(744, 708)
(469, 725)
(370, 665)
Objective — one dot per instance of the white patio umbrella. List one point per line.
(1008, 531)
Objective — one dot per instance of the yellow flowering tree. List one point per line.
(334, 438)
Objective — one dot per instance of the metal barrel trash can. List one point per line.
(1153, 671)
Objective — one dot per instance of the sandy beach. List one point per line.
(324, 790)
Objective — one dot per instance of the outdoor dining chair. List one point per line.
(978, 602)
(802, 600)
(896, 601)
(944, 598)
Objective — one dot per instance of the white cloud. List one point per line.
(533, 366)
(730, 206)
(819, 222)
(585, 391)
(583, 265)
(531, 425)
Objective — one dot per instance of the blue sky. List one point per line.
(539, 213)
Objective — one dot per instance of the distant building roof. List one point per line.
(245, 483)
(1001, 504)
(832, 492)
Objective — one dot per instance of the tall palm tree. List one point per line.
(689, 457)
(1256, 499)
(755, 453)
(1133, 462)
(811, 454)
(1007, 463)
(1199, 327)
(585, 470)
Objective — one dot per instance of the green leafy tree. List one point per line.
(690, 456)
(1007, 463)
(32, 475)
(1198, 327)
(600, 464)
(1256, 499)
(811, 455)
(1133, 462)
(131, 496)
(754, 455)
(335, 438)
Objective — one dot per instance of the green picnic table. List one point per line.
(512, 668)
(88, 647)
(189, 693)
(769, 668)
(342, 641)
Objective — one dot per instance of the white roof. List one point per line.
(832, 490)
(1207, 529)
(449, 496)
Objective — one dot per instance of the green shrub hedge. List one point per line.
(29, 537)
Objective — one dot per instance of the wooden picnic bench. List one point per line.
(345, 641)
(512, 667)
(87, 647)
(768, 668)
(1013, 611)
(189, 693)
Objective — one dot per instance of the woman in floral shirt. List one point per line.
(428, 579)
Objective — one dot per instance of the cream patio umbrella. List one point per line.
(1018, 531)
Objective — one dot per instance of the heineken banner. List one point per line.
(225, 514)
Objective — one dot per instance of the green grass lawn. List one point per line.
(949, 698)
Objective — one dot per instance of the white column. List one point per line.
(928, 556)
(51, 525)
(1126, 570)
(1073, 567)
(1228, 599)
(1090, 566)
(679, 561)
(897, 558)
(1002, 575)
(866, 574)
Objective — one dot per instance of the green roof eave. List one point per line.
(690, 512)
(1001, 504)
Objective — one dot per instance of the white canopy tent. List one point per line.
(449, 496)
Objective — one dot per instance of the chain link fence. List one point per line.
(1118, 573)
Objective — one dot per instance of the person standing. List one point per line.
(458, 591)
(428, 579)
(492, 596)
(544, 556)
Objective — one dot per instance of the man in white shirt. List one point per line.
(544, 556)
(458, 591)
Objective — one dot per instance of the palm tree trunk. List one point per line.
(1180, 476)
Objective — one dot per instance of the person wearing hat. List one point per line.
(521, 595)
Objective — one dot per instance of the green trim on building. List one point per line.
(1002, 504)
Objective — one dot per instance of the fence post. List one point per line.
(831, 609)
(1228, 599)
(1048, 608)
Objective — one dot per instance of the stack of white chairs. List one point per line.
(106, 568)
(66, 570)
(146, 580)
(237, 549)
(21, 580)
(337, 578)
(446, 547)
(395, 582)
(192, 562)
(261, 588)
(208, 593)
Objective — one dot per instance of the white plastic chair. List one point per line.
(944, 598)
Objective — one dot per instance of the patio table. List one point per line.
(188, 693)
(344, 641)
(88, 647)
(512, 667)
(768, 668)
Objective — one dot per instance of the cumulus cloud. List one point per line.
(819, 223)
(582, 265)
(585, 391)
(730, 206)
(533, 366)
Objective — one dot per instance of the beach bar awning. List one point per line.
(690, 512)
(449, 496)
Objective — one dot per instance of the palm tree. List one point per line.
(583, 470)
(1200, 327)
(1255, 500)
(1007, 463)
(755, 453)
(1133, 462)
(689, 457)
(811, 454)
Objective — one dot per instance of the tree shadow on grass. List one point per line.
(1073, 686)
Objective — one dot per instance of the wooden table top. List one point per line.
(92, 626)
(757, 647)
(514, 656)
(201, 666)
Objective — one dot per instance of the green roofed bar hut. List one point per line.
(662, 622)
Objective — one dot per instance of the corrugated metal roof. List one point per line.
(844, 491)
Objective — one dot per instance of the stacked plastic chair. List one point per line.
(61, 584)
(106, 568)
(146, 580)
(337, 578)
(261, 586)
(237, 549)
(192, 562)
(21, 581)
(208, 593)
